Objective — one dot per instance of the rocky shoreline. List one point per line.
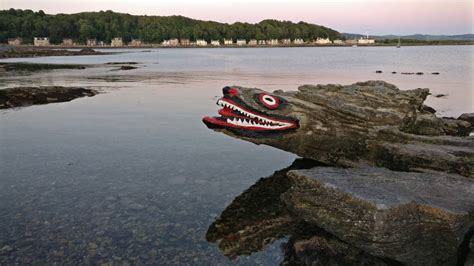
(26, 96)
(18, 52)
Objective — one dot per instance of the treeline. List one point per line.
(105, 25)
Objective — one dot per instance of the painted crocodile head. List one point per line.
(253, 113)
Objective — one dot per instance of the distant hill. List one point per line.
(105, 25)
(421, 37)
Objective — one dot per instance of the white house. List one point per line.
(272, 42)
(201, 42)
(215, 43)
(241, 42)
(116, 42)
(41, 41)
(365, 41)
(228, 41)
(322, 41)
(286, 41)
(298, 41)
(337, 41)
(252, 42)
(14, 41)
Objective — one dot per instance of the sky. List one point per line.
(375, 17)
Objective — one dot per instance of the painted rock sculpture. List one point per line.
(382, 132)
(369, 123)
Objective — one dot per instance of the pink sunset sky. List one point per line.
(358, 16)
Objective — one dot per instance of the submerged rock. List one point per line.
(25, 96)
(413, 218)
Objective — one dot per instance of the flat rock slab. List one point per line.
(413, 218)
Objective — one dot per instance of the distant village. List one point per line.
(119, 42)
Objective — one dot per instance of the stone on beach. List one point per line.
(414, 218)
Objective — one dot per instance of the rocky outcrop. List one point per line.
(25, 96)
(413, 218)
(366, 124)
(16, 52)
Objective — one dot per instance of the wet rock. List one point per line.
(435, 73)
(407, 73)
(420, 73)
(32, 67)
(127, 67)
(121, 63)
(440, 95)
(413, 218)
(378, 71)
(44, 51)
(394, 72)
(25, 96)
(468, 118)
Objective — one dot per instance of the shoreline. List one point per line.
(154, 46)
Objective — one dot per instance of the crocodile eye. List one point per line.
(269, 101)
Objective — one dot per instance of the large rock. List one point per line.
(414, 218)
(365, 124)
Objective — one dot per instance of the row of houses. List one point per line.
(118, 42)
(44, 41)
(243, 42)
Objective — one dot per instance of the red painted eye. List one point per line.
(269, 101)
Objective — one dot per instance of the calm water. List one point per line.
(133, 175)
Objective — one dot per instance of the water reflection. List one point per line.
(257, 218)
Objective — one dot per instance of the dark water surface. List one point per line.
(132, 175)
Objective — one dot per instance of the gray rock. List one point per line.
(413, 218)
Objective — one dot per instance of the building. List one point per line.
(68, 42)
(135, 42)
(91, 42)
(201, 42)
(338, 42)
(215, 43)
(41, 41)
(366, 41)
(322, 41)
(241, 42)
(286, 41)
(116, 42)
(262, 42)
(351, 42)
(298, 41)
(253, 42)
(273, 42)
(228, 42)
(101, 43)
(15, 41)
(171, 42)
(184, 42)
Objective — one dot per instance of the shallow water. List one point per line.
(133, 175)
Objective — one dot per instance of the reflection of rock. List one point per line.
(258, 217)
(312, 246)
(414, 218)
(24, 96)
